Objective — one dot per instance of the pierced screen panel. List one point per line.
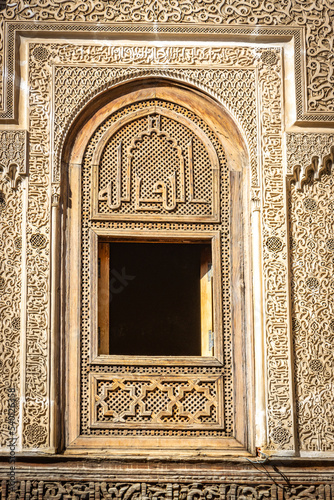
(155, 166)
(154, 163)
(156, 401)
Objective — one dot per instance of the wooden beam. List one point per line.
(103, 298)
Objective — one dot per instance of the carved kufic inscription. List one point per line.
(156, 163)
(165, 192)
(249, 486)
(120, 400)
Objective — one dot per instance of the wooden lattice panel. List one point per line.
(155, 163)
(120, 400)
(172, 155)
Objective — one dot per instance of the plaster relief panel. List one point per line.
(312, 289)
(10, 304)
(313, 66)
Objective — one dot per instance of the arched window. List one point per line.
(155, 277)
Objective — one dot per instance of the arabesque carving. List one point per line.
(312, 290)
(318, 28)
(10, 301)
(36, 405)
(220, 84)
(275, 270)
(309, 158)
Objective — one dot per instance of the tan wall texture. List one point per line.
(268, 66)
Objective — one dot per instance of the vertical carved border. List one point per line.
(10, 300)
(310, 158)
(312, 264)
(280, 418)
(253, 488)
(36, 406)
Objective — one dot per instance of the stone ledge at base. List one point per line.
(62, 478)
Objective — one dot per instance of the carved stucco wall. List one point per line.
(309, 161)
(313, 17)
(311, 252)
(231, 75)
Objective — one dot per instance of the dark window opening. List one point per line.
(154, 298)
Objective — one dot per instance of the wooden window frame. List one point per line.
(209, 237)
(241, 443)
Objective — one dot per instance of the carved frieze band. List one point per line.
(318, 29)
(33, 489)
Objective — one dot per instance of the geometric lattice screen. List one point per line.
(156, 166)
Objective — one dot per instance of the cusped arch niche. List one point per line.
(157, 161)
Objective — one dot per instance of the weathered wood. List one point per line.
(207, 332)
(103, 297)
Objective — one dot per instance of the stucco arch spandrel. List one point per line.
(88, 115)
